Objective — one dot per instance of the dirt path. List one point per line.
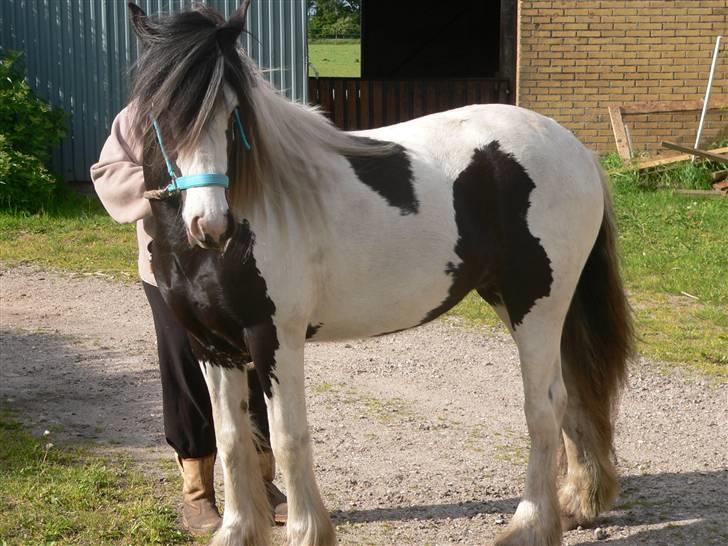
(409, 449)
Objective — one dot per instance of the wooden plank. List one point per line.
(460, 88)
(430, 98)
(339, 103)
(694, 151)
(620, 133)
(391, 90)
(651, 163)
(377, 104)
(325, 99)
(659, 162)
(313, 91)
(655, 107)
(352, 104)
(473, 95)
(418, 99)
(701, 193)
(365, 105)
(405, 100)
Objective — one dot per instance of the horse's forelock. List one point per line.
(180, 75)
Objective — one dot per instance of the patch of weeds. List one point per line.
(70, 495)
(514, 454)
(320, 388)
(681, 175)
(384, 410)
(474, 438)
(512, 447)
(387, 410)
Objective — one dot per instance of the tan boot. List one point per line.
(199, 513)
(277, 499)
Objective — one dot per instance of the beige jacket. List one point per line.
(119, 183)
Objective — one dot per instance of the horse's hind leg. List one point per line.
(536, 521)
(247, 518)
(591, 482)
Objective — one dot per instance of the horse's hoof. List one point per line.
(518, 535)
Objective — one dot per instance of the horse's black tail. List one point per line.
(597, 342)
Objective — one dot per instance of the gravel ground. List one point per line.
(419, 437)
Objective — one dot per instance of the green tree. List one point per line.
(334, 18)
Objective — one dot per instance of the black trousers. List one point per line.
(188, 424)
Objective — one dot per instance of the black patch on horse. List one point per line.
(219, 297)
(389, 175)
(500, 256)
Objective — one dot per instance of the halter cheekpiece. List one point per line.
(180, 183)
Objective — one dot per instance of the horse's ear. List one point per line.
(140, 22)
(229, 32)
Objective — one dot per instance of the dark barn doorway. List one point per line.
(419, 57)
(415, 39)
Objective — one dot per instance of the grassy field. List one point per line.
(335, 58)
(77, 236)
(61, 495)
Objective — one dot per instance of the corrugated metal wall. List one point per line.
(78, 54)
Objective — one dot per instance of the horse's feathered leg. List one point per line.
(247, 517)
(308, 521)
(597, 343)
(536, 521)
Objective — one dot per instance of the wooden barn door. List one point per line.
(414, 75)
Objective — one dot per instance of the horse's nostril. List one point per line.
(196, 228)
(208, 232)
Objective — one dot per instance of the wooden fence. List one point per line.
(353, 103)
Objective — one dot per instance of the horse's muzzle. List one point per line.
(201, 233)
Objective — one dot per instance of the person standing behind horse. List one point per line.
(188, 424)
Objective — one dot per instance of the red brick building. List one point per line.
(575, 57)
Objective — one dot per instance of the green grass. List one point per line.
(71, 495)
(342, 58)
(78, 235)
(674, 258)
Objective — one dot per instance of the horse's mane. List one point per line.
(179, 79)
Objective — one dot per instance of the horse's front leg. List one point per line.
(308, 521)
(247, 518)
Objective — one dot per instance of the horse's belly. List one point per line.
(382, 306)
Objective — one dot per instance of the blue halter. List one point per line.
(180, 183)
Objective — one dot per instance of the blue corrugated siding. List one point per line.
(78, 53)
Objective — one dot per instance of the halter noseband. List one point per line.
(180, 183)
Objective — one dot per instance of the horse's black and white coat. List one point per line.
(380, 231)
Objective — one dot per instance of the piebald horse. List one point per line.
(277, 228)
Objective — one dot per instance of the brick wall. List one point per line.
(576, 57)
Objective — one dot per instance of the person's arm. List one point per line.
(118, 177)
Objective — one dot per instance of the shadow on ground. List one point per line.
(677, 507)
(63, 384)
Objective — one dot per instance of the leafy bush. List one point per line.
(29, 128)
